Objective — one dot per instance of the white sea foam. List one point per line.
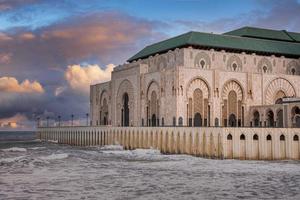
(15, 149)
(111, 173)
(52, 141)
(54, 156)
(37, 148)
(112, 147)
(9, 160)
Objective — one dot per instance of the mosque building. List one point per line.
(249, 77)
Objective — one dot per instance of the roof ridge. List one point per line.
(169, 39)
(287, 33)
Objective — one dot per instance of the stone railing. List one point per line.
(208, 142)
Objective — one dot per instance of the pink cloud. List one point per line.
(11, 84)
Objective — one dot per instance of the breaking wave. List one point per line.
(55, 156)
(15, 149)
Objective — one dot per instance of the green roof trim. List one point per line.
(263, 42)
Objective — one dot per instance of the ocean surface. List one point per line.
(30, 169)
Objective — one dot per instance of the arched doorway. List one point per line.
(232, 120)
(152, 109)
(125, 105)
(270, 118)
(198, 103)
(197, 120)
(256, 119)
(296, 117)
(104, 110)
(104, 121)
(232, 109)
(279, 120)
(153, 120)
(297, 120)
(125, 110)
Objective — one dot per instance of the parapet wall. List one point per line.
(208, 142)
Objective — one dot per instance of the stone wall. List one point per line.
(173, 75)
(221, 143)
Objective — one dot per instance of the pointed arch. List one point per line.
(152, 104)
(197, 95)
(276, 85)
(125, 103)
(232, 110)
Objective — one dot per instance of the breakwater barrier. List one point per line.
(208, 142)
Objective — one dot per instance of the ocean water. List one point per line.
(30, 169)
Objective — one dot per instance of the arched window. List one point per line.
(202, 64)
(229, 137)
(174, 121)
(180, 121)
(282, 138)
(234, 66)
(269, 137)
(270, 118)
(256, 118)
(296, 138)
(125, 110)
(255, 137)
(293, 71)
(163, 121)
(265, 69)
(216, 121)
(242, 137)
(280, 118)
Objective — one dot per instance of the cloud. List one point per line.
(59, 90)
(11, 84)
(48, 54)
(11, 4)
(5, 58)
(101, 38)
(81, 77)
(16, 121)
(269, 14)
(4, 37)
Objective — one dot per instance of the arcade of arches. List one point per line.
(285, 112)
(279, 115)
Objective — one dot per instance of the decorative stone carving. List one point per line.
(197, 83)
(277, 85)
(264, 66)
(232, 86)
(234, 63)
(293, 68)
(202, 60)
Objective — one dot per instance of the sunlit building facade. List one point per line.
(246, 77)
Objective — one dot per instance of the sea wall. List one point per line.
(208, 142)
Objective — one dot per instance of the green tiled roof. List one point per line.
(295, 36)
(262, 34)
(262, 42)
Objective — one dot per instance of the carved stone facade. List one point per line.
(197, 87)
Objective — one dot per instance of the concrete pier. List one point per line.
(208, 142)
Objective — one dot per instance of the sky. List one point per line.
(52, 50)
